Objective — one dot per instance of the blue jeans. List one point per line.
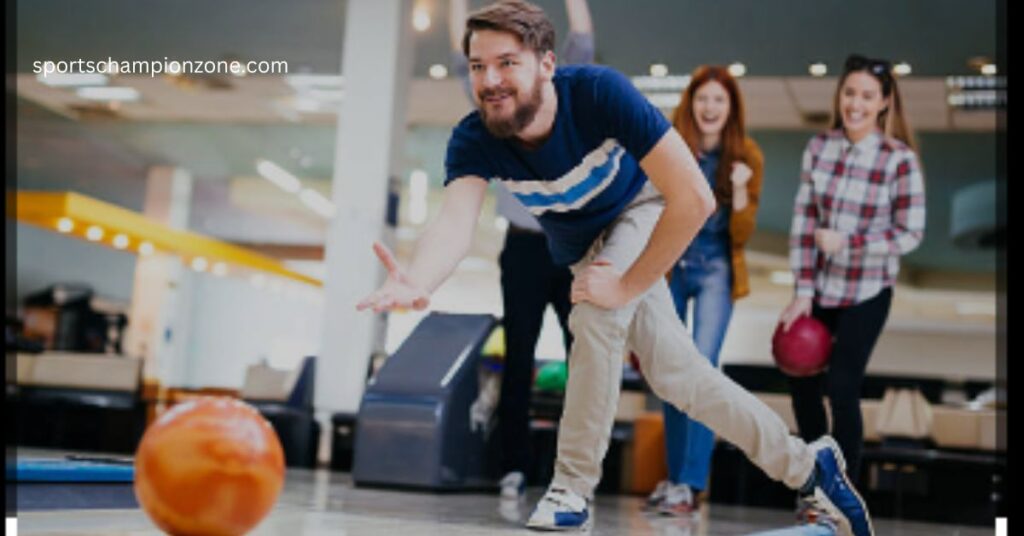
(708, 282)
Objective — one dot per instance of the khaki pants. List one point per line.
(671, 364)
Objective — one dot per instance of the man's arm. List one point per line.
(579, 16)
(456, 23)
(689, 202)
(438, 251)
(447, 241)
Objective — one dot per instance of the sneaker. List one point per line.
(560, 509)
(656, 496)
(513, 485)
(679, 501)
(834, 493)
(511, 510)
(810, 512)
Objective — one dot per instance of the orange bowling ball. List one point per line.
(209, 466)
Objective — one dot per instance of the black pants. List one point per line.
(856, 329)
(529, 282)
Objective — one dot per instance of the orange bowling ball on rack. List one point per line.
(209, 466)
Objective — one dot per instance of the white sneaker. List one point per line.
(560, 509)
(513, 485)
(678, 501)
(656, 496)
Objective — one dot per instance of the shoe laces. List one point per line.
(559, 497)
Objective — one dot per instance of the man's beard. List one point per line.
(521, 117)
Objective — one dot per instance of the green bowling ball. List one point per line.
(552, 376)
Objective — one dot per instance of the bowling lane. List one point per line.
(322, 502)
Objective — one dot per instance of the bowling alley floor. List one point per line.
(322, 502)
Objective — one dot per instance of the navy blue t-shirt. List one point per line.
(582, 177)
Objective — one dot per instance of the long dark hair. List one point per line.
(734, 133)
(892, 120)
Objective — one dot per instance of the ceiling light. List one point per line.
(438, 71)
(72, 79)
(277, 175)
(317, 202)
(146, 248)
(199, 264)
(307, 105)
(65, 225)
(308, 81)
(737, 69)
(659, 70)
(121, 241)
(418, 181)
(421, 19)
(818, 69)
(989, 69)
(661, 83)
(94, 233)
(901, 69)
(663, 100)
(109, 93)
(324, 94)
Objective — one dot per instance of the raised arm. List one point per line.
(579, 16)
(456, 23)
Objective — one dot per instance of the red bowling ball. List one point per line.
(804, 349)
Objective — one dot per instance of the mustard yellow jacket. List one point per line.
(743, 222)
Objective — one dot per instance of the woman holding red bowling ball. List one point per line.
(859, 207)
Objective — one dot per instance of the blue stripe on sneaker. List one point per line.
(570, 519)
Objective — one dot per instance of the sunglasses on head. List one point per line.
(880, 68)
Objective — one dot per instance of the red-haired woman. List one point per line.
(712, 271)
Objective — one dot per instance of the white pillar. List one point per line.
(158, 325)
(376, 67)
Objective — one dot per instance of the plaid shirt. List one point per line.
(871, 191)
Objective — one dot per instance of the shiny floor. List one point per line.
(322, 502)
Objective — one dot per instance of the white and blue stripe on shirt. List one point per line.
(574, 189)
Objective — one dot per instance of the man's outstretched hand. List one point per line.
(397, 292)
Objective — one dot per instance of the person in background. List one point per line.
(712, 272)
(530, 281)
(859, 207)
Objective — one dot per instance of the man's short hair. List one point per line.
(522, 19)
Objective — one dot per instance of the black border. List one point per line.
(10, 233)
(1001, 486)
